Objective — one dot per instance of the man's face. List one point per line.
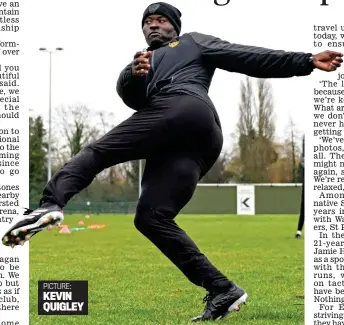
(158, 30)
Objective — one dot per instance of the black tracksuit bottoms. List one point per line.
(180, 138)
(302, 209)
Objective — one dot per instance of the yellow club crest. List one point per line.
(173, 44)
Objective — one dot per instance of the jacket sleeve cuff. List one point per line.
(306, 65)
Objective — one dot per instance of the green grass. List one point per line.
(132, 283)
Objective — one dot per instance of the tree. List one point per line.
(264, 154)
(256, 131)
(37, 157)
(281, 170)
(114, 172)
(288, 152)
(77, 127)
(80, 127)
(265, 110)
(293, 148)
(219, 172)
(247, 133)
(131, 172)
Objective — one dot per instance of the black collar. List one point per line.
(164, 44)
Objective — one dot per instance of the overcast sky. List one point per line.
(100, 38)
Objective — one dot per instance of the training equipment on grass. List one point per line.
(78, 228)
(65, 230)
(96, 226)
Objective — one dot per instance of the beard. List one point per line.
(160, 39)
(156, 43)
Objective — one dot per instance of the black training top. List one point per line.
(187, 65)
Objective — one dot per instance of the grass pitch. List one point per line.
(132, 283)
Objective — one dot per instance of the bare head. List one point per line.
(160, 24)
